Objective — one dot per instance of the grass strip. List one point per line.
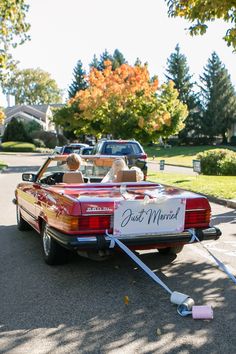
(216, 186)
(179, 155)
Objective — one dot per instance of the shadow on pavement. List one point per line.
(79, 307)
(229, 217)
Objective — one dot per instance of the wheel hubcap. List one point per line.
(46, 242)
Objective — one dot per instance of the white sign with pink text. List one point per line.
(137, 217)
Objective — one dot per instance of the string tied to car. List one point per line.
(185, 304)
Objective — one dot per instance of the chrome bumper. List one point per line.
(103, 242)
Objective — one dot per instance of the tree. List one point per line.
(104, 57)
(32, 126)
(15, 131)
(13, 29)
(79, 82)
(33, 86)
(178, 72)
(2, 115)
(117, 59)
(123, 102)
(219, 99)
(172, 111)
(94, 63)
(199, 12)
(64, 117)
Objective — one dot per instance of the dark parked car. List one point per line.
(86, 150)
(130, 148)
(70, 148)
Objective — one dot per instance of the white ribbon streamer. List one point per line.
(220, 264)
(138, 261)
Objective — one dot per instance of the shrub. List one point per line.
(228, 165)
(32, 126)
(39, 143)
(62, 140)
(15, 131)
(218, 162)
(18, 146)
(50, 139)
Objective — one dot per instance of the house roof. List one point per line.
(38, 107)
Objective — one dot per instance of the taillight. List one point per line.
(198, 213)
(94, 222)
(143, 156)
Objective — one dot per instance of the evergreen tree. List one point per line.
(15, 131)
(138, 62)
(118, 59)
(178, 72)
(103, 57)
(219, 99)
(79, 82)
(94, 63)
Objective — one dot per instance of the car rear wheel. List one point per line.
(171, 250)
(22, 225)
(53, 253)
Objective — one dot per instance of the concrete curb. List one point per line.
(225, 202)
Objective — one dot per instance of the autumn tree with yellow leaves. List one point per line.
(126, 103)
(202, 12)
(2, 116)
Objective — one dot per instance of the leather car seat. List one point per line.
(73, 177)
(127, 176)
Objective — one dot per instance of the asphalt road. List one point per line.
(79, 307)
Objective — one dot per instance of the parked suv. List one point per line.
(130, 148)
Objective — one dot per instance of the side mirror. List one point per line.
(29, 177)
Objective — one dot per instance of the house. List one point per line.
(41, 114)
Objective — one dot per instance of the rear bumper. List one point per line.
(102, 242)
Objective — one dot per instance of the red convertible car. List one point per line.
(76, 212)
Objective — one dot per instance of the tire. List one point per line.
(53, 252)
(171, 250)
(22, 225)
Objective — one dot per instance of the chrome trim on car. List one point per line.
(196, 209)
(90, 239)
(101, 241)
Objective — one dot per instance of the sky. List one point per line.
(65, 31)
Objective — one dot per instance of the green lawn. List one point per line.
(217, 186)
(17, 146)
(179, 155)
